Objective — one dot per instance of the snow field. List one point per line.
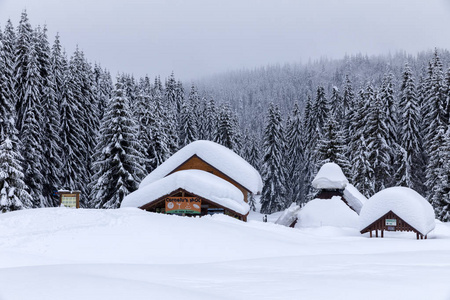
(58, 253)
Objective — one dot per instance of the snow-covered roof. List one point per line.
(405, 203)
(330, 176)
(327, 212)
(354, 198)
(198, 182)
(218, 156)
(289, 215)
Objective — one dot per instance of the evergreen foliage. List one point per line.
(119, 161)
(273, 170)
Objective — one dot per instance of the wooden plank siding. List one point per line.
(160, 202)
(195, 162)
(380, 224)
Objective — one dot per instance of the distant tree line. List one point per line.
(65, 124)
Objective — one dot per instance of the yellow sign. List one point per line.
(69, 200)
(186, 205)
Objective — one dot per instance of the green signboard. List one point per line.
(391, 222)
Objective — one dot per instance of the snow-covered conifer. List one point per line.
(13, 193)
(119, 162)
(273, 168)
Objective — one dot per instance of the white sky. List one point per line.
(201, 37)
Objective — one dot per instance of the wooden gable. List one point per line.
(195, 162)
(381, 224)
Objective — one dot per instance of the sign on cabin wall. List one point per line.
(183, 205)
(69, 200)
(391, 222)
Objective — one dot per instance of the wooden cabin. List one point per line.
(202, 171)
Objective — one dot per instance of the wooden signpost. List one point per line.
(69, 198)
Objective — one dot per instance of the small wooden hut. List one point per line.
(397, 209)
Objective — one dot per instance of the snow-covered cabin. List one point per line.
(201, 178)
(330, 182)
(397, 209)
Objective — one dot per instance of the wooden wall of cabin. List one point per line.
(198, 164)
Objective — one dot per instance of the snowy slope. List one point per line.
(131, 254)
(327, 212)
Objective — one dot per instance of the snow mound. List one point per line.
(330, 176)
(405, 203)
(354, 198)
(327, 212)
(218, 156)
(289, 215)
(198, 182)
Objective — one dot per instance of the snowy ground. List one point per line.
(131, 254)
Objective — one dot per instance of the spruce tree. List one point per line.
(24, 48)
(50, 122)
(226, 131)
(295, 152)
(409, 171)
(188, 125)
(273, 169)
(331, 146)
(13, 193)
(31, 133)
(119, 162)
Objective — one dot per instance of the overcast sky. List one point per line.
(195, 38)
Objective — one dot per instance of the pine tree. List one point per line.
(31, 133)
(441, 194)
(71, 133)
(188, 127)
(389, 104)
(225, 133)
(119, 162)
(409, 172)
(295, 152)
(273, 169)
(50, 122)
(377, 136)
(362, 173)
(24, 45)
(210, 121)
(159, 148)
(434, 121)
(13, 194)
(331, 146)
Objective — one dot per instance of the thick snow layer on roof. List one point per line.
(330, 176)
(218, 156)
(289, 215)
(354, 198)
(405, 203)
(327, 212)
(198, 182)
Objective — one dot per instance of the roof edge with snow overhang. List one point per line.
(197, 182)
(219, 157)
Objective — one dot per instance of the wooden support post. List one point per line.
(376, 233)
(382, 233)
(426, 236)
(417, 234)
(370, 233)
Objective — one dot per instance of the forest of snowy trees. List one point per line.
(65, 123)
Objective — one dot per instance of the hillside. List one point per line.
(57, 253)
